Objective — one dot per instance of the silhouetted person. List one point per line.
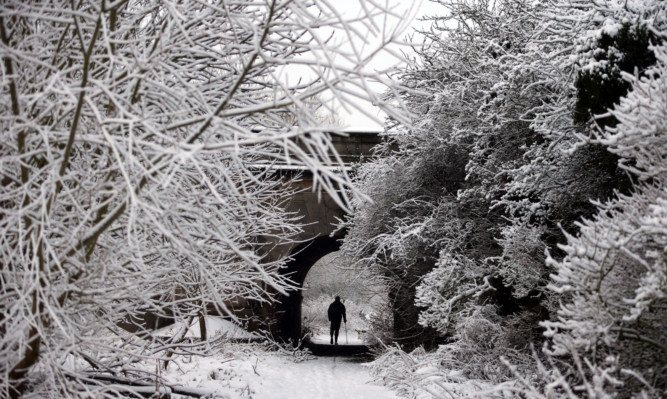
(336, 313)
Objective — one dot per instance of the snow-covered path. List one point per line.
(321, 378)
(269, 375)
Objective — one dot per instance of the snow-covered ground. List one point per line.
(264, 370)
(235, 370)
(259, 371)
(248, 371)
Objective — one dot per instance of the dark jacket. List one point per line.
(336, 312)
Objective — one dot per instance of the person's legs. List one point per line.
(334, 332)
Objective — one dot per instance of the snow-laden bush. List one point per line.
(522, 263)
(498, 83)
(457, 300)
(613, 280)
(424, 375)
(447, 292)
(640, 138)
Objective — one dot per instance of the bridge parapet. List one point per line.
(351, 148)
(355, 145)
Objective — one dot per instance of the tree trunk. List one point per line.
(202, 326)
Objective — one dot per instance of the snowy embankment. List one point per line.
(423, 375)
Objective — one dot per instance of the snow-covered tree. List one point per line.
(135, 140)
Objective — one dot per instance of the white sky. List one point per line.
(406, 17)
(354, 119)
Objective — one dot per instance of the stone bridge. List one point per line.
(319, 213)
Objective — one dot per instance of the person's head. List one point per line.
(337, 299)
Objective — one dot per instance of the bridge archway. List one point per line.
(304, 257)
(319, 214)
